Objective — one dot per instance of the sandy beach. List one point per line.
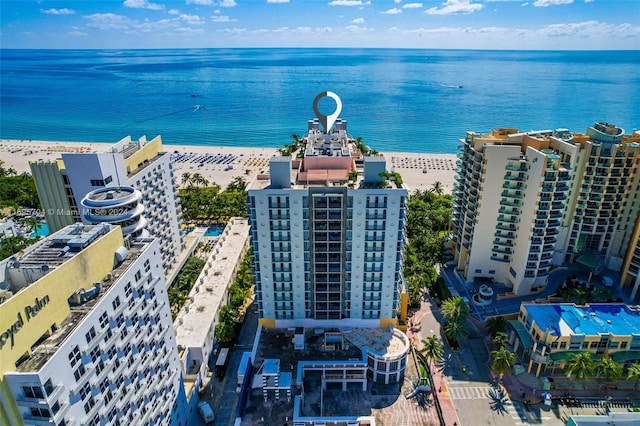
(221, 164)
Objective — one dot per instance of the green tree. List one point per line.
(454, 330)
(609, 369)
(437, 188)
(455, 309)
(500, 340)
(225, 332)
(432, 349)
(496, 325)
(186, 179)
(579, 365)
(503, 361)
(634, 373)
(238, 184)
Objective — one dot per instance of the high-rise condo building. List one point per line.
(87, 337)
(64, 183)
(328, 234)
(526, 202)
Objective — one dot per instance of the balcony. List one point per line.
(515, 178)
(500, 259)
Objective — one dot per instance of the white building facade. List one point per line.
(63, 184)
(328, 245)
(102, 351)
(526, 202)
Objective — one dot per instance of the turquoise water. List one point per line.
(213, 232)
(41, 230)
(396, 99)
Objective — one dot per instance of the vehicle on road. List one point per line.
(606, 281)
(206, 412)
(222, 362)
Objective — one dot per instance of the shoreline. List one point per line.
(419, 171)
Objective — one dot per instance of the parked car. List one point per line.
(206, 412)
(606, 281)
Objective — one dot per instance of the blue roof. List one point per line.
(590, 320)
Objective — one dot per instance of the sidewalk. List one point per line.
(441, 390)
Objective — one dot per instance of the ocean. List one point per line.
(395, 99)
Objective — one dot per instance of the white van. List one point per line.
(205, 411)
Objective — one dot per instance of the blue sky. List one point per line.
(466, 24)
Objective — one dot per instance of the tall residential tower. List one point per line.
(87, 334)
(64, 183)
(328, 234)
(526, 202)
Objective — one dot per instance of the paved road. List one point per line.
(221, 394)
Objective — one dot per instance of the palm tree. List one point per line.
(501, 339)
(634, 373)
(432, 349)
(610, 369)
(186, 178)
(580, 365)
(454, 330)
(503, 361)
(455, 309)
(437, 188)
(496, 325)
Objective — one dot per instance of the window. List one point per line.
(85, 391)
(79, 372)
(104, 320)
(108, 179)
(74, 356)
(33, 392)
(97, 182)
(40, 412)
(89, 405)
(138, 276)
(116, 302)
(91, 334)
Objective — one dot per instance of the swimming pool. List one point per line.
(42, 230)
(213, 232)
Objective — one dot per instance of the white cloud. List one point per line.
(64, 11)
(77, 33)
(277, 1)
(192, 19)
(234, 31)
(589, 29)
(142, 4)
(108, 21)
(187, 31)
(525, 4)
(227, 3)
(356, 29)
(589, 1)
(217, 11)
(174, 12)
(349, 3)
(397, 1)
(412, 6)
(394, 11)
(545, 3)
(453, 7)
(358, 21)
(220, 18)
(200, 2)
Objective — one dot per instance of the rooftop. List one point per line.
(378, 400)
(63, 245)
(617, 319)
(43, 350)
(209, 293)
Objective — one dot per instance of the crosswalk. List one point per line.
(514, 409)
(470, 392)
